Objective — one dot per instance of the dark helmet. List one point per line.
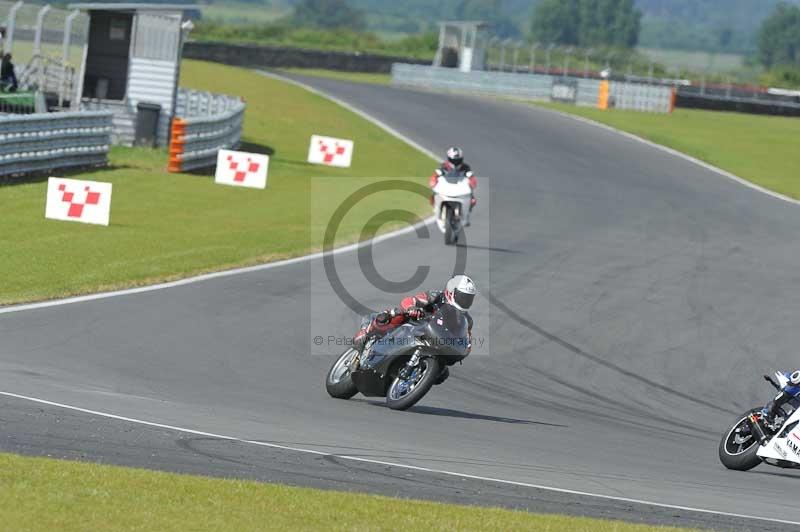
(455, 156)
(460, 292)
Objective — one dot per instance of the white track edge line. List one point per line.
(355, 110)
(249, 269)
(393, 464)
(674, 152)
(213, 275)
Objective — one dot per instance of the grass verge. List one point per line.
(761, 149)
(166, 226)
(83, 496)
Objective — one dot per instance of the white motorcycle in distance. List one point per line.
(452, 196)
(751, 441)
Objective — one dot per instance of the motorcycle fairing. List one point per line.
(450, 328)
(371, 376)
(452, 189)
(785, 445)
(447, 327)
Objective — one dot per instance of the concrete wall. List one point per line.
(278, 56)
(526, 86)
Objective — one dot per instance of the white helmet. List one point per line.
(455, 156)
(460, 292)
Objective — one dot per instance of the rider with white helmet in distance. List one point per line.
(454, 164)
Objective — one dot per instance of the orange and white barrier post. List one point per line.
(177, 143)
(602, 95)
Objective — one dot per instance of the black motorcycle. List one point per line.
(403, 365)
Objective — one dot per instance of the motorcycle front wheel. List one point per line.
(738, 447)
(450, 233)
(338, 382)
(404, 393)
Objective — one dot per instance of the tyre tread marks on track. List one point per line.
(598, 360)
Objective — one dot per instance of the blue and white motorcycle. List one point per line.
(751, 440)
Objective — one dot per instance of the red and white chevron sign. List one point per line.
(241, 169)
(73, 200)
(330, 151)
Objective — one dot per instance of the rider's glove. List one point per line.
(415, 314)
(385, 317)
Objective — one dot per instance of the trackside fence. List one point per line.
(580, 91)
(204, 124)
(53, 141)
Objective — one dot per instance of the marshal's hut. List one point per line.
(131, 65)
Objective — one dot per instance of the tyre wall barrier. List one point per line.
(53, 141)
(737, 104)
(252, 55)
(205, 123)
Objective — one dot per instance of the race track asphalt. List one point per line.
(631, 301)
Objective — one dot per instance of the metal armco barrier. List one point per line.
(53, 141)
(538, 87)
(206, 123)
(586, 91)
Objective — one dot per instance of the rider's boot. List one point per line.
(364, 334)
(376, 328)
(769, 412)
(360, 339)
(768, 418)
(472, 202)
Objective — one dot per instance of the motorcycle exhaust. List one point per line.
(759, 430)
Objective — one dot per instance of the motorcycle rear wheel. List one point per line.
(399, 399)
(737, 454)
(338, 382)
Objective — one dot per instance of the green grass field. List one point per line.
(761, 149)
(80, 496)
(166, 226)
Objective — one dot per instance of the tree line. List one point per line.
(587, 23)
(779, 38)
(579, 23)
